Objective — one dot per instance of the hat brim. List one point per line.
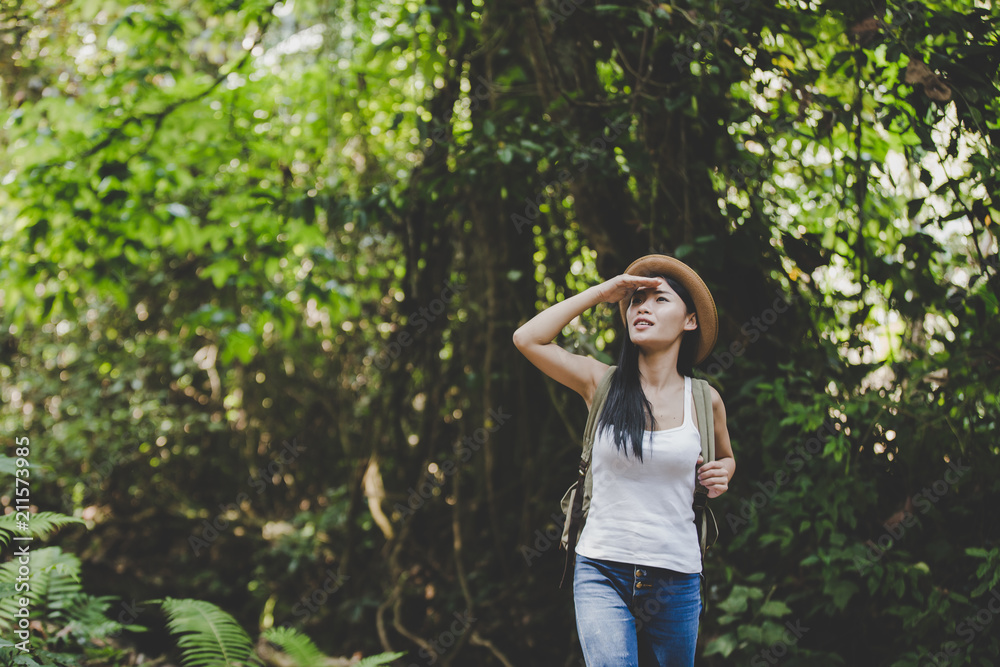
(704, 304)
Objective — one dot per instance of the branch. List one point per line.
(479, 640)
(397, 622)
(456, 528)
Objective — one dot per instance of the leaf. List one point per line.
(738, 598)
(380, 659)
(683, 250)
(838, 61)
(85, 617)
(238, 345)
(220, 271)
(723, 645)
(40, 524)
(206, 635)
(841, 591)
(753, 633)
(297, 645)
(55, 579)
(775, 609)
(8, 465)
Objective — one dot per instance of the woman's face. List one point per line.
(657, 316)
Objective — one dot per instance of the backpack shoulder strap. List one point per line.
(706, 422)
(706, 427)
(596, 406)
(703, 514)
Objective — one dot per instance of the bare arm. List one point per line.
(534, 338)
(715, 475)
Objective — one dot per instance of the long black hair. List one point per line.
(627, 410)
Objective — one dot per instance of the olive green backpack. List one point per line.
(576, 505)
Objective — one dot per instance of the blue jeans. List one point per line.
(635, 616)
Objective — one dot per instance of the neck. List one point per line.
(658, 369)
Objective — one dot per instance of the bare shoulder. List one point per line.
(718, 406)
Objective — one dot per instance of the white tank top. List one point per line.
(640, 512)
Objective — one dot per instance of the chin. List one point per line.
(651, 344)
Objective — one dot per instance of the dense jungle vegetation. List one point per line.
(260, 264)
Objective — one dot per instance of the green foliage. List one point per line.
(73, 623)
(209, 637)
(299, 647)
(41, 525)
(206, 635)
(227, 226)
(85, 618)
(55, 583)
(12, 657)
(304, 653)
(380, 659)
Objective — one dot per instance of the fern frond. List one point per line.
(380, 659)
(8, 589)
(299, 647)
(206, 635)
(55, 578)
(41, 525)
(85, 617)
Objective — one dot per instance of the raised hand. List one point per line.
(620, 287)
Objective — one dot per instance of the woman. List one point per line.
(637, 577)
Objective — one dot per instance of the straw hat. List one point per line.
(704, 304)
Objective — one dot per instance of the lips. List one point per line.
(642, 322)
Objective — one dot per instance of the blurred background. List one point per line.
(260, 264)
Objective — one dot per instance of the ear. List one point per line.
(691, 323)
